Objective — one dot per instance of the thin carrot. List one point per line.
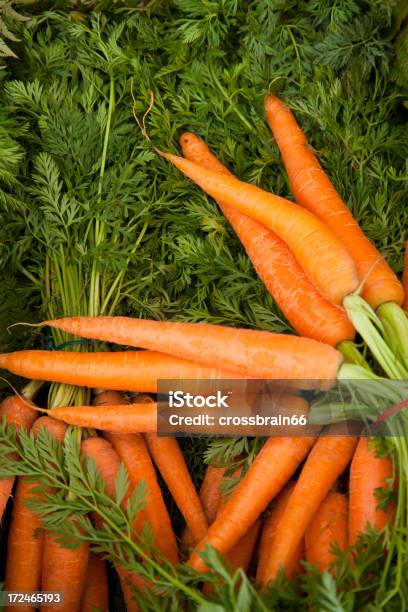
(318, 250)
(309, 313)
(107, 464)
(258, 354)
(171, 464)
(24, 546)
(405, 278)
(314, 191)
(95, 595)
(133, 453)
(210, 497)
(326, 531)
(327, 460)
(118, 419)
(64, 570)
(269, 530)
(126, 371)
(368, 475)
(272, 468)
(16, 411)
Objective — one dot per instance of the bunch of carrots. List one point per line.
(331, 283)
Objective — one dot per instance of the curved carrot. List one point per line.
(405, 278)
(368, 473)
(318, 250)
(125, 371)
(327, 460)
(16, 411)
(107, 464)
(326, 530)
(95, 596)
(133, 453)
(269, 530)
(24, 546)
(171, 464)
(309, 313)
(258, 354)
(272, 468)
(64, 569)
(314, 191)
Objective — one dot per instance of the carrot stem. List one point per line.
(352, 354)
(371, 329)
(395, 322)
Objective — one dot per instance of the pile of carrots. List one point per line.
(315, 260)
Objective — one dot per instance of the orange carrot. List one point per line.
(24, 547)
(107, 464)
(254, 492)
(26, 536)
(405, 278)
(170, 462)
(368, 473)
(309, 313)
(327, 460)
(16, 411)
(317, 249)
(314, 191)
(210, 497)
(326, 530)
(64, 569)
(118, 418)
(95, 596)
(269, 531)
(133, 453)
(240, 555)
(258, 354)
(128, 371)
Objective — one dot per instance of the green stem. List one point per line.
(370, 328)
(100, 230)
(352, 354)
(31, 389)
(395, 322)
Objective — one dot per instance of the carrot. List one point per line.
(107, 464)
(133, 453)
(171, 464)
(126, 371)
(309, 313)
(258, 354)
(272, 468)
(64, 569)
(368, 473)
(118, 418)
(26, 536)
(240, 555)
(318, 250)
(405, 278)
(269, 530)
(210, 497)
(327, 460)
(314, 191)
(95, 596)
(24, 546)
(17, 412)
(326, 530)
